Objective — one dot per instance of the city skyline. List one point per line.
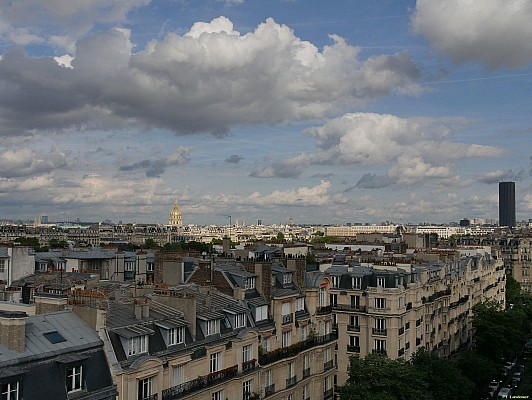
(324, 113)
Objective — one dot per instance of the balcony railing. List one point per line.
(249, 365)
(327, 365)
(353, 349)
(296, 348)
(349, 307)
(328, 394)
(353, 328)
(287, 319)
(291, 381)
(199, 383)
(377, 331)
(306, 372)
(151, 397)
(379, 351)
(269, 390)
(324, 310)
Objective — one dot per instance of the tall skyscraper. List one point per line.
(507, 204)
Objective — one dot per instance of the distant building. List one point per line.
(176, 218)
(507, 204)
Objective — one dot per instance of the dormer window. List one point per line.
(129, 266)
(381, 282)
(212, 327)
(176, 335)
(287, 278)
(10, 390)
(261, 313)
(74, 379)
(137, 345)
(356, 282)
(249, 283)
(240, 320)
(335, 281)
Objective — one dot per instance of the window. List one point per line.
(380, 302)
(327, 355)
(322, 297)
(306, 361)
(249, 283)
(304, 333)
(335, 281)
(356, 282)
(145, 388)
(327, 329)
(379, 345)
(306, 392)
(381, 282)
(176, 335)
(137, 345)
(285, 310)
(247, 389)
(286, 339)
(240, 320)
(287, 278)
(268, 378)
(380, 324)
(74, 378)
(2, 266)
(266, 344)
(215, 362)
(10, 391)
(149, 267)
(261, 313)
(354, 341)
(219, 395)
(355, 302)
(354, 320)
(290, 370)
(300, 304)
(247, 352)
(213, 326)
(334, 299)
(179, 375)
(129, 266)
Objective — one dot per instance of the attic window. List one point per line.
(54, 337)
(249, 283)
(287, 278)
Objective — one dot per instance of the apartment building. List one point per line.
(517, 255)
(395, 309)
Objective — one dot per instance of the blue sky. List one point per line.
(323, 112)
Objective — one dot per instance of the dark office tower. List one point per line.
(507, 204)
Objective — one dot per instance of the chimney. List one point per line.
(138, 310)
(13, 330)
(49, 302)
(145, 310)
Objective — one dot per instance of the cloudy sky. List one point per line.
(321, 111)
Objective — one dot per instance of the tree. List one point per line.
(446, 382)
(478, 369)
(376, 377)
(150, 244)
(33, 242)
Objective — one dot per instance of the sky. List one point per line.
(326, 112)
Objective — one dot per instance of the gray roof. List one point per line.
(77, 334)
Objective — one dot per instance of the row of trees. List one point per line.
(499, 334)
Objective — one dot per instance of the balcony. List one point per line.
(327, 365)
(199, 383)
(287, 319)
(379, 351)
(380, 332)
(291, 381)
(349, 307)
(324, 310)
(353, 328)
(269, 390)
(353, 349)
(296, 348)
(249, 365)
(306, 372)
(151, 397)
(328, 394)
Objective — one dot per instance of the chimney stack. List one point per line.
(13, 330)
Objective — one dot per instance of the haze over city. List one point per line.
(323, 112)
